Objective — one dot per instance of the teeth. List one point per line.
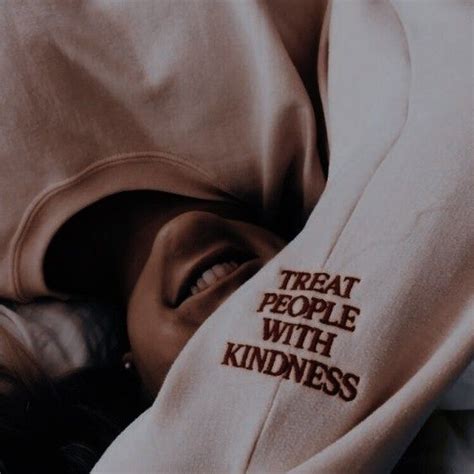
(209, 276)
(201, 284)
(219, 270)
(213, 274)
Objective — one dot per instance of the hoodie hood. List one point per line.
(100, 97)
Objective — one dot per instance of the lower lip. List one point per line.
(226, 285)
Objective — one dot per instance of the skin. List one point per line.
(189, 236)
(143, 249)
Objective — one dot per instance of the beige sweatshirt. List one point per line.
(330, 358)
(204, 99)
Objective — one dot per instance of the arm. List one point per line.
(394, 215)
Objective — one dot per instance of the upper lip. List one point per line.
(221, 254)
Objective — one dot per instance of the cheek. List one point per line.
(156, 339)
(266, 244)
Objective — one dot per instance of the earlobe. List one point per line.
(127, 361)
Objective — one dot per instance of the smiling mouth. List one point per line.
(211, 270)
(213, 275)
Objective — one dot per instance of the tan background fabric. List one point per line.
(99, 97)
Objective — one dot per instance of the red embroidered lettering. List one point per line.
(318, 340)
(268, 299)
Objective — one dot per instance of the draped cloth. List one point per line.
(387, 255)
(204, 99)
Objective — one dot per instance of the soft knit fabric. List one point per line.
(208, 99)
(200, 98)
(380, 281)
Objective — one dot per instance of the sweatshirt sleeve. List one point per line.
(333, 355)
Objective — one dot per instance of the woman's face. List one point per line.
(201, 253)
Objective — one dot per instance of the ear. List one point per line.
(127, 361)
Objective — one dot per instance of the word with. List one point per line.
(300, 336)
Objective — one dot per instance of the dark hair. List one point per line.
(61, 425)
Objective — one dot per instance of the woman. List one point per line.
(94, 105)
(171, 261)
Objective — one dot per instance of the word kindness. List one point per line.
(306, 323)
